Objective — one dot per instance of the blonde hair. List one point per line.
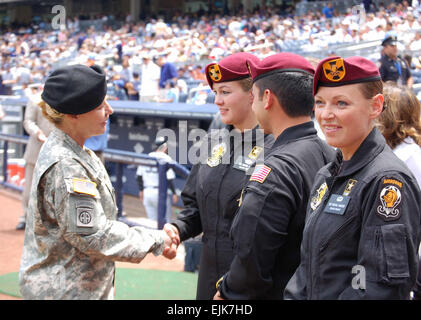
(246, 84)
(51, 114)
(401, 118)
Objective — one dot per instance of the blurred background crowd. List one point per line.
(161, 59)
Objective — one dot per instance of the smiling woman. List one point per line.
(213, 190)
(365, 206)
(72, 238)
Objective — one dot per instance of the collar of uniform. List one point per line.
(75, 147)
(295, 132)
(368, 150)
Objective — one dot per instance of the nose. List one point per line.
(327, 113)
(108, 108)
(218, 99)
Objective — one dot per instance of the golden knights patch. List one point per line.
(318, 197)
(390, 198)
(217, 152)
(334, 70)
(215, 73)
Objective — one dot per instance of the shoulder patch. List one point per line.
(260, 173)
(390, 197)
(84, 187)
(316, 200)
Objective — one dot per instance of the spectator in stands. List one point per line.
(2, 114)
(151, 73)
(400, 124)
(392, 66)
(38, 128)
(119, 91)
(172, 92)
(328, 10)
(168, 72)
(8, 80)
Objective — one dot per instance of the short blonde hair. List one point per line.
(51, 114)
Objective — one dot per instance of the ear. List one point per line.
(376, 106)
(268, 97)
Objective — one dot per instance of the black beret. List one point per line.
(75, 89)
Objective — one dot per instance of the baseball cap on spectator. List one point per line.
(230, 68)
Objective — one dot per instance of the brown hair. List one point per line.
(51, 114)
(246, 84)
(370, 89)
(401, 118)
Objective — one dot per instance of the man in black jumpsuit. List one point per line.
(267, 229)
(392, 66)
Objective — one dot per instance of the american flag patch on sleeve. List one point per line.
(260, 173)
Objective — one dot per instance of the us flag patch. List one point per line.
(260, 173)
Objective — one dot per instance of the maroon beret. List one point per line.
(229, 68)
(336, 71)
(279, 62)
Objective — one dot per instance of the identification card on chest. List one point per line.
(337, 204)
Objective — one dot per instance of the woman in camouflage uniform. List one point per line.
(72, 238)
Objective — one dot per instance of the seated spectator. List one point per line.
(172, 93)
(120, 93)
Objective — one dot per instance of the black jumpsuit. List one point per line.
(211, 197)
(267, 229)
(362, 227)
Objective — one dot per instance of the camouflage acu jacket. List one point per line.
(72, 238)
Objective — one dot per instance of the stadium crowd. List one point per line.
(28, 55)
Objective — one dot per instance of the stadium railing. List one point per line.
(120, 158)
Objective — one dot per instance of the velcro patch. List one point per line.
(260, 173)
(84, 187)
(390, 198)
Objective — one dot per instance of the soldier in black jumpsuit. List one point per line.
(267, 229)
(213, 188)
(362, 227)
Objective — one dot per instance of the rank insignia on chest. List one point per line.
(84, 187)
(217, 152)
(318, 197)
(260, 173)
(254, 153)
(389, 200)
(350, 184)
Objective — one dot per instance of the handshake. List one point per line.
(171, 241)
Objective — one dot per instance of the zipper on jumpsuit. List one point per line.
(313, 224)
